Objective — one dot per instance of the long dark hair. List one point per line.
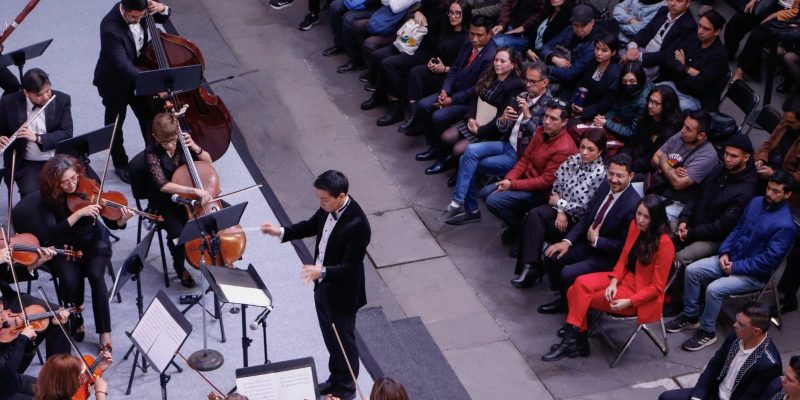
(671, 117)
(488, 76)
(637, 70)
(466, 14)
(647, 243)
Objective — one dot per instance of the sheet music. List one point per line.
(159, 335)
(294, 384)
(245, 295)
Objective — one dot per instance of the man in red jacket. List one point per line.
(528, 183)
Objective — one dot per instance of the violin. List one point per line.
(11, 324)
(25, 249)
(88, 377)
(87, 192)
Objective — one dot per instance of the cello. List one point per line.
(207, 118)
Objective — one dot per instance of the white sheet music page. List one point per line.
(159, 335)
(245, 295)
(294, 384)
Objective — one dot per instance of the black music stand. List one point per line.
(81, 147)
(198, 228)
(20, 56)
(168, 80)
(243, 287)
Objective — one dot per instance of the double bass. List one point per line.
(207, 118)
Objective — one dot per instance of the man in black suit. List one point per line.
(342, 233)
(594, 243)
(743, 367)
(36, 142)
(672, 28)
(123, 34)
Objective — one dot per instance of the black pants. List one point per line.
(739, 25)
(8, 82)
(346, 326)
(19, 387)
(421, 83)
(72, 275)
(750, 58)
(174, 220)
(26, 177)
(539, 227)
(116, 105)
(790, 280)
(393, 77)
(677, 394)
(580, 259)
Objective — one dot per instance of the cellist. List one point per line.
(16, 356)
(163, 157)
(123, 34)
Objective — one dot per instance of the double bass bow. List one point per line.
(20, 17)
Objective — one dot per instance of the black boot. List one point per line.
(573, 344)
(395, 114)
(553, 307)
(408, 126)
(528, 276)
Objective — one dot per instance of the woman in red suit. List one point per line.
(634, 287)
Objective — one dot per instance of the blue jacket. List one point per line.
(760, 240)
(581, 54)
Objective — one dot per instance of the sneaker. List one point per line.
(682, 323)
(699, 340)
(465, 218)
(279, 4)
(309, 21)
(450, 213)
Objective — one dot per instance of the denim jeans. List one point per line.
(707, 272)
(519, 43)
(512, 205)
(338, 10)
(493, 158)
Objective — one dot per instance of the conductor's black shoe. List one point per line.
(325, 388)
(122, 174)
(332, 51)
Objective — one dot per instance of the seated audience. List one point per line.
(595, 242)
(557, 14)
(747, 258)
(487, 8)
(791, 63)
(672, 28)
(338, 10)
(359, 41)
(682, 162)
(699, 70)
(633, 15)
(743, 367)
(571, 52)
(629, 104)
(440, 110)
(600, 79)
(527, 184)
(577, 179)
(786, 387)
(784, 34)
(661, 121)
(439, 48)
(517, 18)
(753, 14)
(496, 86)
(496, 157)
(634, 288)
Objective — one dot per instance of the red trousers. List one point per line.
(589, 290)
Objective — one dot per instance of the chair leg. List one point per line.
(655, 340)
(778, 321)
(626, 346)
(163, 258)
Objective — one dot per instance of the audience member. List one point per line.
(771, 33)
(786, 387)
(791, 63)
(743, 367)
(600, 79)
(496, 86)
(577, 179)
(747, 258)
(392, 71)
(438, 111)
(751, 15)
(629, 104)
(634, 287)
(557, 14)
(681, 162)
(782, 149)
(661, 121)
(571, 52)
(517, 19)
(595, 242)
(633, 15)
(699, 70)
(338, 9)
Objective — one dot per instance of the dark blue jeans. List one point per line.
(438, 119)
(512, 205)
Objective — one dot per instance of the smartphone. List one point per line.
(436, 60)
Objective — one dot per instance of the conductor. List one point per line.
(342, 233)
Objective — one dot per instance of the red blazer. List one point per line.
(650, 279)
(536, 169)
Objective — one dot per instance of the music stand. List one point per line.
(285, 380)
(81, 147)
(243, 287)
(168, 80)
(198, 228)
(159, 334)
(20, 56)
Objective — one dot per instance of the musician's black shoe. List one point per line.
(77, 330)
(186, 280)
(325, 388)
(123, 174)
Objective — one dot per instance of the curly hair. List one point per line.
(51, 174)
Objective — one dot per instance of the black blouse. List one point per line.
(161, 167)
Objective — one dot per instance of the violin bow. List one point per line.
(20, 17)
(7, 238)
(108, 159)
(347, 361)
(200, 373)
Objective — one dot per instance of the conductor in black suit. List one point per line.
(342, 233)
(36, 142)
(123, 34)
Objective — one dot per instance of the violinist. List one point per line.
(61, 378)
(163, 157)
(16, 355)
(123, 34)
(81, 230)
(36, 142)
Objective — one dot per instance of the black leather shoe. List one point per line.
(394, 115)
(427, 155)
(452, 181)
(372, 102)
(562, 330)
(332, 51)
(528, 276)
(350, 66)
(77, 330)
(553, 307)
(325, 388)
(439, 166)
(568, 349)
(408, 126)
(122, 174)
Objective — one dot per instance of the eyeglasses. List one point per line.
(534, 81)
(653, 102)
(72, 178)
(168, 141)
(451, 13)
(557, 103)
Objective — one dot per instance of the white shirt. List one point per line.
(726, 386)
(655, 43)
(138, 32)
(614, 198)
(37, 126)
